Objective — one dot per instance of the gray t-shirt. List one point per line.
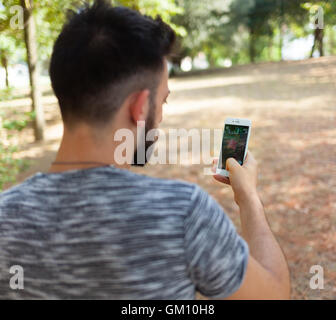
(108, 233)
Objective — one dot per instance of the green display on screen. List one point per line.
(234, 143)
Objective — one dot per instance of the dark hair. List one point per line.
(102, 55)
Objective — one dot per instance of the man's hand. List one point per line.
(243, 179)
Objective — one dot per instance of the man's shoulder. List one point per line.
(14, 193)
(104, 179)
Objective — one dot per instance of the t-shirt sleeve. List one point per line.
(216, 255)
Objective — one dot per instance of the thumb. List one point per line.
(232, 164)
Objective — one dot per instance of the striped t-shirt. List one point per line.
(108, 233)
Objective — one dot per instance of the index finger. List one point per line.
(249, 160)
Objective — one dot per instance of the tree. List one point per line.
(289, 13)
(323, 14)
(255, 16)
(11, 48)
(12, 40)
(33, 65)
(207, 29)
(4, 62)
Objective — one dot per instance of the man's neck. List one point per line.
(81, 149)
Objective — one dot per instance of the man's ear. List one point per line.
(139, 106)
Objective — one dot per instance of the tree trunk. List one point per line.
(32, 59)
(7, 80)
(212, 61)
(332, 45)
(318, 41)
(252, 49)
(4, 62)
(313, 48)
(281, 28)
(281, 42)
(270, 48)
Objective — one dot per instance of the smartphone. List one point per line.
(234, 143)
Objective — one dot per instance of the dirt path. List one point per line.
(293, 108)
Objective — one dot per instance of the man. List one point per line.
(90, 228)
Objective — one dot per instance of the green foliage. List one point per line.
(207, 28)
(7, 94)
(166, 9)
(20, 123)
(10, 166)
(11, 40)
(242, 30)
(255, 17)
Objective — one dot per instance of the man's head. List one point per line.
(105, 56)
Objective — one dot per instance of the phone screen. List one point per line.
(233, 144)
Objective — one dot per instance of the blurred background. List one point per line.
(270, 61)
